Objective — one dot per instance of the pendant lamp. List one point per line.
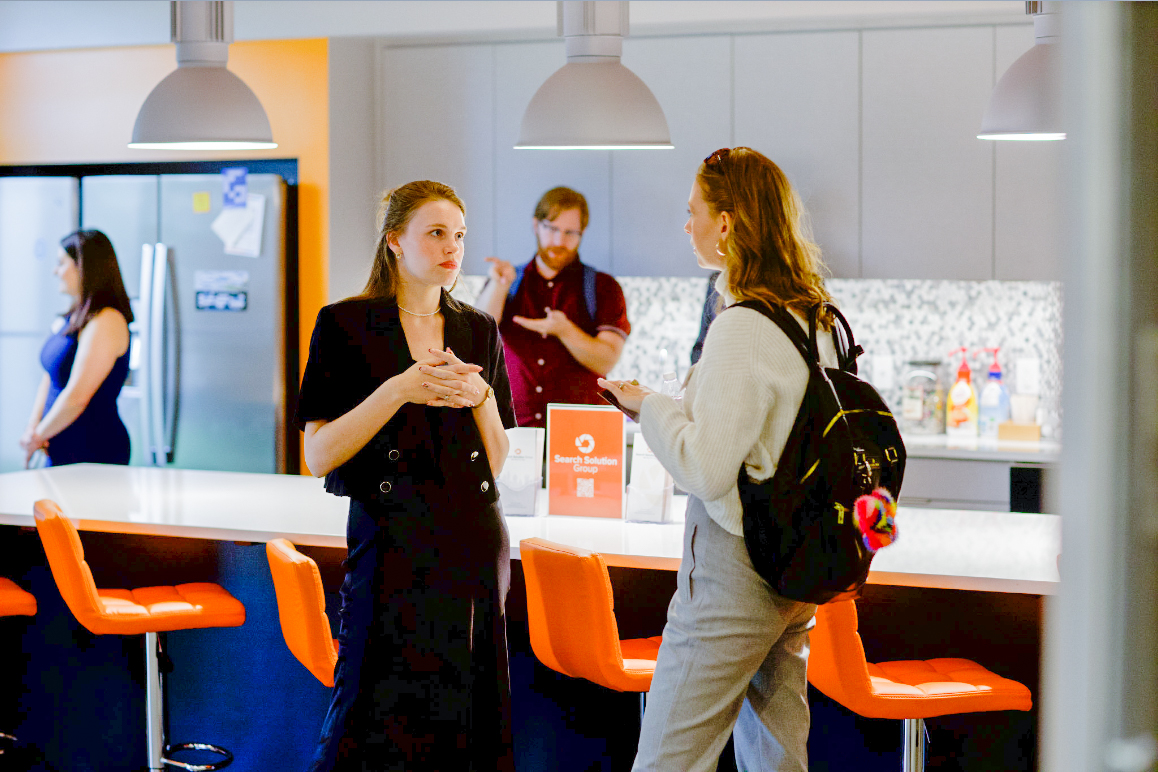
(593, 101)
(201, 105)
(1026, 103)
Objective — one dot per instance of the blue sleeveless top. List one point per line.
(97, 435)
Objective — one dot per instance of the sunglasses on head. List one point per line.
(717, 156)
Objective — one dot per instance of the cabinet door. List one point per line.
(437, 119)
(797, 102)
(1028, 211)
(649, 189)
(927, 184)
(522, 176)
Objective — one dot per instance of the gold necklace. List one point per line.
(432, 313)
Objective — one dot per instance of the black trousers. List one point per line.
(422, 681)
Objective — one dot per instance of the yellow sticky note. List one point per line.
(201, 202)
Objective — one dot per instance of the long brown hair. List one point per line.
(101, 285)
(394, 214)
(768, 252)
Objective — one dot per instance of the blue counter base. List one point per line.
(79, 698)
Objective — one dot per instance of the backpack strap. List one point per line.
(846, 350)
(589, 274)
(589, 289)
(518, 280)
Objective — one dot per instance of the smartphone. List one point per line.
(607, 395)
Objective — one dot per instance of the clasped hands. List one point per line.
(444, 380)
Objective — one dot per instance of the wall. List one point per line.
(79, 106)
(875, 126)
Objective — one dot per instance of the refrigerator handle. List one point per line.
(145, 346)
(172, 394)
(156, 372)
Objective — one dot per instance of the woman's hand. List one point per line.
(430, 382)
(452, 371)
(629, 393)
(31, 442)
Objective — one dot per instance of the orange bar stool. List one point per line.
(14, 602)
(147, 610)
(301, 607)
(571, 616)
(909, 690)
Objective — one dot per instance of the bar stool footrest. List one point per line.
(227, 757)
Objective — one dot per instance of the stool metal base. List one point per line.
(227, 757)
(158, 751)
(913, 745)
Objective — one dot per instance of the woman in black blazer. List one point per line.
(404, 403)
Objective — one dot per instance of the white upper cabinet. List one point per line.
(522, 176)
(876, 129)
(797, 102)
(1028, 214)
(437, 123)
(690, 76)
(927, 181)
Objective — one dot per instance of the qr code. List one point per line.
(585, 487)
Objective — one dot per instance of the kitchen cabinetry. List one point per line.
(1028, 209)
(960, 483)
(797, 101)
(649, 190)
(927, 184)
(437, 123)
(876, 129)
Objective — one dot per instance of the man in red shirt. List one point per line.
(563, 323)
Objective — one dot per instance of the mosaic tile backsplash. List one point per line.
(894, 321)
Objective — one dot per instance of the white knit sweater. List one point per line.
(739, 405)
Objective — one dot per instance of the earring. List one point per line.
(718, 252)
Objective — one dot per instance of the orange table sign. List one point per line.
(585, 467)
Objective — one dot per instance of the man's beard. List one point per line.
(557, 258)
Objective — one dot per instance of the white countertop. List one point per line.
(950, 549)
(943, 446)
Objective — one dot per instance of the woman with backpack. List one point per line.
(734, 652)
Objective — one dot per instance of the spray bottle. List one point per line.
(961, 405)
(994, 406)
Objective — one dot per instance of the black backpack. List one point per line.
(799, 525)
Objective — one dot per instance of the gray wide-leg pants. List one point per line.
(734, 654)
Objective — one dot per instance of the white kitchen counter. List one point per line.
(943, 446)
(949, 549)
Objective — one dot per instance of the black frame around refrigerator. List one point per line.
(287, 169)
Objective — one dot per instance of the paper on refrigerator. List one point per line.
(240, 228)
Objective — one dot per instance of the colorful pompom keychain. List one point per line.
(876, 515)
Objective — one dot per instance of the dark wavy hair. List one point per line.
(101, 285)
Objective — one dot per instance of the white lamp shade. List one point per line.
(596, 105)
(1026, 103)
(202, 108)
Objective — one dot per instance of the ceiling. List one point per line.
(30, 25)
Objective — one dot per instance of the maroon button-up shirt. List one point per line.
(541, 369)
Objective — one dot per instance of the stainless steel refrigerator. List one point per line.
(208, 365)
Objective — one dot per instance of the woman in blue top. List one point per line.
(86, 359)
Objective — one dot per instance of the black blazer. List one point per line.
(357, 345)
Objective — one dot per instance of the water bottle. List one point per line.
(671, 386)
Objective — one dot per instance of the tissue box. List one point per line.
(522, 474)
(649, 494)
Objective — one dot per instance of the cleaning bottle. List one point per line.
(994, 407)
(961, 406)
